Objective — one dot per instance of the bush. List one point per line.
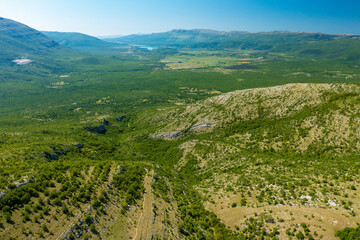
(44, 228)
(57, 202)
(92, 228)
(7, 216)
(300, 236)
(349, 233)
(65, 210)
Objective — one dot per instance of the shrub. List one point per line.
(44, 228)
(349, 233)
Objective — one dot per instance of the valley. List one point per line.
(205, 136)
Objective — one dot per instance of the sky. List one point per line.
(123, 17)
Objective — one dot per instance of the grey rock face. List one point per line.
(201, 125)
(169, 135)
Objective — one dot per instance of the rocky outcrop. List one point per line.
(121, 118)
(244, 105)
(78, 145)
(56, 152)
(49, 156)
(106, 122)
(201, 125)
(17, 184)
(101, 129)
(167, 135)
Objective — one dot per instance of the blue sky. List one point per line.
(121, 17)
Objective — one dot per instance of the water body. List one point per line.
(150, 48)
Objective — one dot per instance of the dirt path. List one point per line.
(144, 225)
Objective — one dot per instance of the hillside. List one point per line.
(280, 159)
(277, 162)
(20, 41)
(79, 41)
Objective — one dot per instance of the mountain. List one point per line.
(18, 41)
(110, 36)
(201, 38)
(79, 41)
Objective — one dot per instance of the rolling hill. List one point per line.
(20, 41)
(278, 163)
(79, 41)
(280, 159)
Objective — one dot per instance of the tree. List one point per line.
(26, 198)
(7, 216)
(44, 228)
(300, 235)
(93, 229)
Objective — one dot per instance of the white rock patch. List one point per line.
(22, 61)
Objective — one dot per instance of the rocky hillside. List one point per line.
(282, 160)
(293, 116)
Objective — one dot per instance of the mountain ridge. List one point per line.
(78, 41)
(18, 40)
(205, 38)
(18, 30)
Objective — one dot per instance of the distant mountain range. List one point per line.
(20, 41)
(203, 38)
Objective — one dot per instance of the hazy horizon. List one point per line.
(114, 18)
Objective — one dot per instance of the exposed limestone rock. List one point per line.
(167, 135)
(201, 125)
(249, 104)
